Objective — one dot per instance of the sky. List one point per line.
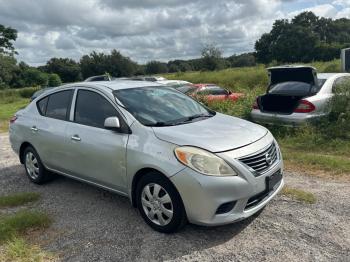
(150, 29)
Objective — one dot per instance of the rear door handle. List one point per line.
(76, 138)
(34, 129)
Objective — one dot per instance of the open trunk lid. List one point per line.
(280, 74)
(288, 85)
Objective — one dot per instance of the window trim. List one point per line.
(48, 99)
(124, 125)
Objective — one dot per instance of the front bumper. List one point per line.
(294, 119)
(202, 195)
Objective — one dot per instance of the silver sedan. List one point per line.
(296, 95)
(176, 160)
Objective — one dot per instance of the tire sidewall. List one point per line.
(179, 215)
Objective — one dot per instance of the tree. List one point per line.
(34, 77)
(212, 58)
(114, 63)
(305, 38)
(156, 67)
(8, 68)
(67, 69)
(7, 35)
(54, 80)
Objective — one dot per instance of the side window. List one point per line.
(41, 105)
(218, 91)
(58, 106)
(92, 109)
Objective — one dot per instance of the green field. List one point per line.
(305, 148)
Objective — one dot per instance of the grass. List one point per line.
(18, 199)
(11, 100)
(18, 250)
(12, 225)
(299, 195)
(7, 110)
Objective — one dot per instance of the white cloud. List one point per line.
(143, 30)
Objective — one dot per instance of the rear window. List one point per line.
(42, 104)
(186, 89)
(58, 105)
(213, 90)
(294, 89)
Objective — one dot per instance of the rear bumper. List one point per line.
(295, 119)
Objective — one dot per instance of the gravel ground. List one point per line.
(91, 224)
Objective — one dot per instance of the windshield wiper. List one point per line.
(190, 118)
(158, 124)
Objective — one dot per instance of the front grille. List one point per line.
(263, 160)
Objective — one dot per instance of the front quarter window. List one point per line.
(160, 106)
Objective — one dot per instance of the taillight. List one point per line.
(305, 107)
(13, 119)
(255, 104)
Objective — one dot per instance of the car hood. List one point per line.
(216, 134)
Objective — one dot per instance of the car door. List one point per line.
(48, 132)
(93, 152)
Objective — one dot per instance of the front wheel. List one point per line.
(160, 204)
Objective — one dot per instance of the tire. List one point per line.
(166, 207)
(34, 168)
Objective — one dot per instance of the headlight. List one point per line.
(203, 161)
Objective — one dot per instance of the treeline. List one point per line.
(304, 38)
(66, 70)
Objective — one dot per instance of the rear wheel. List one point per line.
(35, 170)
(160, 204)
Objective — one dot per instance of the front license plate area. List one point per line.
(273, 180)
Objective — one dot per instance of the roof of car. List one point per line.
(327, 75)
(290, 67)
(115, 84)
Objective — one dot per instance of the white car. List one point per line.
(296, 95)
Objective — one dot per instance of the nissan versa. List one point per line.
(175, 159)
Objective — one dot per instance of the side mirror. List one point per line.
(112, 123)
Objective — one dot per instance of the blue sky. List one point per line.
(148, 29)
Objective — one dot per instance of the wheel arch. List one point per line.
(142, 172)
(23, 146)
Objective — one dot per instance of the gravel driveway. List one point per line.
(91, 224)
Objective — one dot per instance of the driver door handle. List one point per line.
(34, 129)
(76, 138)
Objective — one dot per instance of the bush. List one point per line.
(54, 80)
(339, 118)
(27, 92)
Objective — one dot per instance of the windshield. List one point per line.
(161, 106)
(294, 88)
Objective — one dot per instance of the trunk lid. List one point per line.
(287, 86)
(280, 74)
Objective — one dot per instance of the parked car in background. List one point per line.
(296, 95)
(210, 92)
(174, 83)
(105, 77)
(148, 78)
(175, 159)
(39, 92)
